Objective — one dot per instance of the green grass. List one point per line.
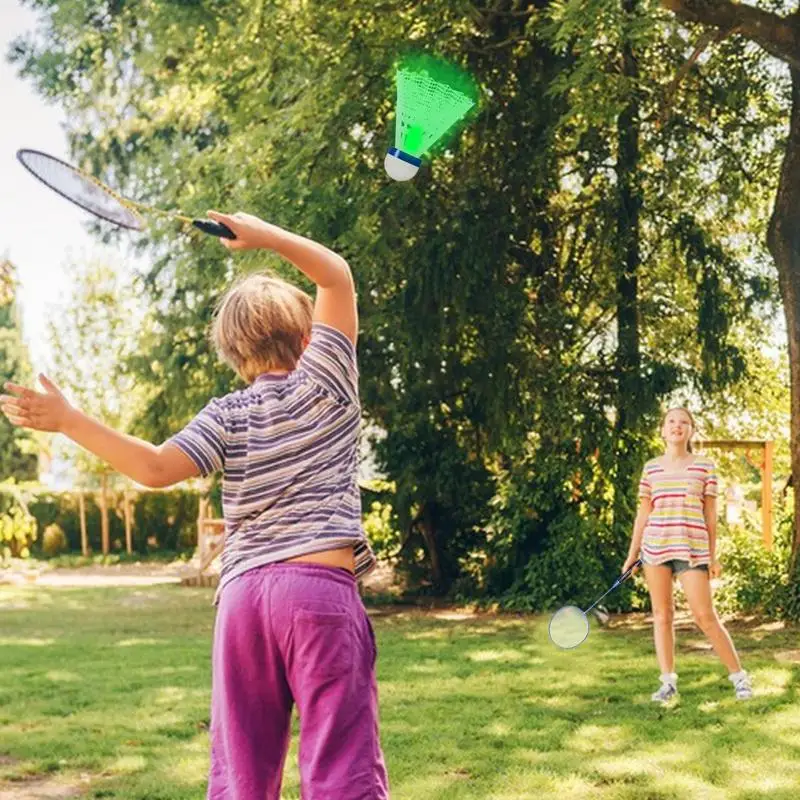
(107, 690)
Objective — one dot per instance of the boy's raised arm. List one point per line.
(336, 296)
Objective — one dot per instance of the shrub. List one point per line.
(754, 579)
(18, 531)
(54, 540)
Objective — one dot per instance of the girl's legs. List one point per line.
(697, 587)
(659, 584)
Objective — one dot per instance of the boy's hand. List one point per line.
(47, 411)
(251, 232)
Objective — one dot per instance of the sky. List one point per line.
(39, 231)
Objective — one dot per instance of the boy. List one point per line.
(290, 627)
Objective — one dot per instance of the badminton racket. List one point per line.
(91, 195)
(569, 626)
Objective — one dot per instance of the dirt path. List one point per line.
(137, 574)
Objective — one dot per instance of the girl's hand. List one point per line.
(251, 232)
(629, 562)
(40, 411)
(715, 570)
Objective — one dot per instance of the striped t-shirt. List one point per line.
(288, 448)
(676, 527)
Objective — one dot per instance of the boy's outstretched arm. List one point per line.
(141, 461)
(336, 296)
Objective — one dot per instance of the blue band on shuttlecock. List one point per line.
(393, 151)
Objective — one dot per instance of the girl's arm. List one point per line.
(642, 515)
(336, 295)
(141, 461)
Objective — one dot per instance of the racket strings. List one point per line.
(568, 627)
(81, 189)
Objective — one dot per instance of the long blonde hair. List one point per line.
(691, 419)
(262, 323)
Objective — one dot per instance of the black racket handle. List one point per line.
(214, 228)
(625, 575)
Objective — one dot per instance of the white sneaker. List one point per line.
(665, 693)
(742, 685)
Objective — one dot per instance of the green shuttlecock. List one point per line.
(432, 96)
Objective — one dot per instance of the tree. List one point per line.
(91, 338)
(777, 35)
(18, 448)
(549, 277)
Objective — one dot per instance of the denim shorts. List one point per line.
(678, 566)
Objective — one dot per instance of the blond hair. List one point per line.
(691, 419)
(261, 324)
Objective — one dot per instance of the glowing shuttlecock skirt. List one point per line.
(432, 96)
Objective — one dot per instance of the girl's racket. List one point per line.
(569, 626)
(95, 197)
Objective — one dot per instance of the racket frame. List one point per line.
(134, 208)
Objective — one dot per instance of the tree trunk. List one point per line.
(84, 536)
(104, 514)
(128, 524)
(784, 245)
(427, 526)
(628, 255)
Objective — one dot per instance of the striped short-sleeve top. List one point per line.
(676, 527)
(288, 449)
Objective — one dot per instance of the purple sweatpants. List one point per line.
(294, 633)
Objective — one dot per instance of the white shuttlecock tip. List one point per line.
(401, 166)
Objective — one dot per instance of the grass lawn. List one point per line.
(104, 693)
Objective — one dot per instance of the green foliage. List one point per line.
(18, 447)
(94, 335)
(18, 527)
(754, 579)
(162, 521)
(490, 287)
(379, 528)
(54, 540)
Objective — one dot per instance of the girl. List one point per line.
(290, 627)
(675, 530)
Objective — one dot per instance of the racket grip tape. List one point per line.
(214, 228)
(625, 575)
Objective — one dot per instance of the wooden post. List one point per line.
(201, 517)
(766, 494)
(84, 537)
(104, 515)
(128, 524)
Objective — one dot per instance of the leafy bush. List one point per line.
(754, 579)
(161, 520)
(18, 528)
(54, 540)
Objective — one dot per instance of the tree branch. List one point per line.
(705, 40)
(779, 36)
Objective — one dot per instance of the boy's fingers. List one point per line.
(47, 383)
(12, 408)
(217, 217)
(19, 390)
